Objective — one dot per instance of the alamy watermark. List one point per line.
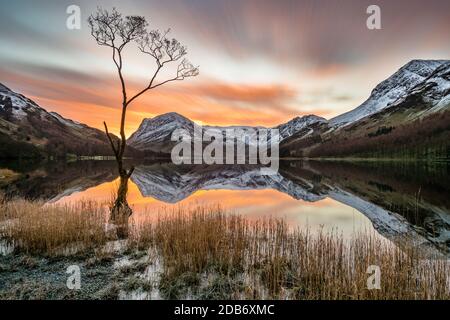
(374, 20)
(374, 280)
(234, 145)
(73, 21)
(74, 280)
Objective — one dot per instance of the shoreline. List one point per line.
(200, 253)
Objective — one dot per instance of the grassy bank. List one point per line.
(208, 253)
(39, 229)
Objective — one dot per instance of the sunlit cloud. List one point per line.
(261, 62)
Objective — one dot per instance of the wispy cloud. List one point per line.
(262, 61)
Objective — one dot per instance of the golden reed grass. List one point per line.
(52, 229)
(278, 262)
(258, 259)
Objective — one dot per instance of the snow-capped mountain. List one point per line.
(155, 133)
(433, 91)
(26, 125)
(427, 78)
(17, 105)
(421, 87)
(410, 109)
(298, 124)
(390, 90)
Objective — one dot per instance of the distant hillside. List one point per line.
(29, 131)
(406, 116)
(155, 133)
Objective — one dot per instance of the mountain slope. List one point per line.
(155, 133)
(415, 123)
(25, 123)
(390, 90)
(393, 114)
(417, 90)
(299, 124)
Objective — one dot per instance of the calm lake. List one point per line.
(395, 199)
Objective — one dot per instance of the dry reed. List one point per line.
(273, 261)
(53, 229)
(248, 259)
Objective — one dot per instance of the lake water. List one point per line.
(394, 199)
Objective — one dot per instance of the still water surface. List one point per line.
(394, 199)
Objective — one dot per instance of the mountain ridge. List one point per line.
(28, 130)
(389, 90)
(414, 124)
(423, 86)
(385, 95)
(159, 129)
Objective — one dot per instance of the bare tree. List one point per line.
(111, 29)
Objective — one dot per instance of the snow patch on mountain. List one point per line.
(67, 122)
(390, 90)
(19, 105)
(159, 130)
(439, 94)
(433, 92)
(297, 124)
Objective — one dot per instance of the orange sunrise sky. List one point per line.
(261, 62)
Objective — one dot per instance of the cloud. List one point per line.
(309, 33)
(246, 93)
(262, 62)
(91, 99)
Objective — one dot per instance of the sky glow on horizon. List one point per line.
(261, 62)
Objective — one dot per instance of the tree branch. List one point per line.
(111, 29)
(110, 140)
(148, 87)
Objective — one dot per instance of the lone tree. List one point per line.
(111, 29)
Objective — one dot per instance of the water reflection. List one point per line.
(397, 199)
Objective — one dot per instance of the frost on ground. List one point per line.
(111, 272)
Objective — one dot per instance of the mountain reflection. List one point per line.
(400, 199)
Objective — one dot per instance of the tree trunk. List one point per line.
(121, 211)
